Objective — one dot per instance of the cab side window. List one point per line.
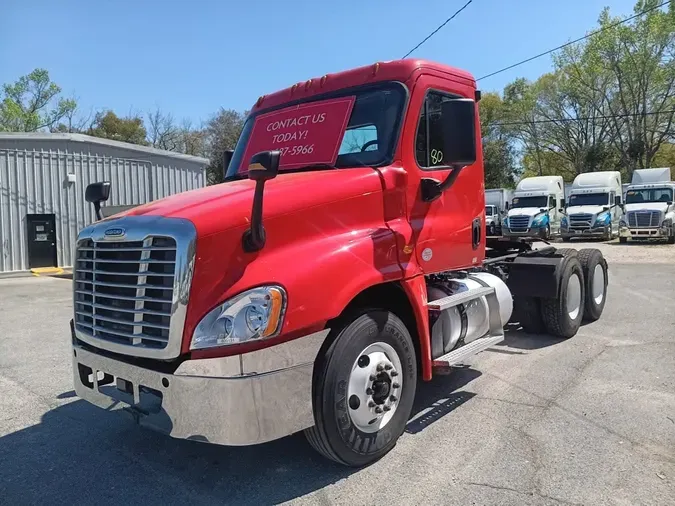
(429, 141)
(551, 201)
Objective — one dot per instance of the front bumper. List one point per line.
(645, 233)
(238, 400)
(585, 232)
(530, 232)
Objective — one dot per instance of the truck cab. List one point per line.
(594, 206)
(649, 211)
(342, 261)
(537, 208)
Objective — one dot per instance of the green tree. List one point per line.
(109, 126)
(32, 103)
(221, 133)
(637, 60)
(498, 152)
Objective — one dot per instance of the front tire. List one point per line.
(623, 240)
(364, 387)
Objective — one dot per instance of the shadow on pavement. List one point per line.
(80, 454)
(515, 337)
(437, 398)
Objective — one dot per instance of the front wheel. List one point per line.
(363, 391)
(671, 239)
(623, 240)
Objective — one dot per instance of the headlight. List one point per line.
(506, 222)
(254, 314)
(667, 222)
(539, 220)
(563, 221)
(603, 219)
(622, 223)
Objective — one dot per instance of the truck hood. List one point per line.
(584, 210)
(524, 211)
(228, 205)
(647, 206)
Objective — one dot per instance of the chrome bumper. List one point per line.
(239, 400)
(645, 233)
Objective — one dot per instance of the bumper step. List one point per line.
(459, 298)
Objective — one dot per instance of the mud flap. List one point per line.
(534, 276)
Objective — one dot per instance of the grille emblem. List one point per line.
(114, 232)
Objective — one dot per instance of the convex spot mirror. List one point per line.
(264, 165)
(97, 192)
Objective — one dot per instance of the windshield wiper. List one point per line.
(311, 166)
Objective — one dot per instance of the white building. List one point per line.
(42, 181)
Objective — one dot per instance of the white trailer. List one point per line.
(496, 206)
(594, 206)
(649, 210)
(537, 208)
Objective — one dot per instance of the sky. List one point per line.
(192, 58)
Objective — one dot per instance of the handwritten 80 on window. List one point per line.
(297, 150)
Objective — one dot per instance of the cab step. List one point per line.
(459, 298)
(461, 354)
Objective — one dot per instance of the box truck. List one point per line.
(496, 206)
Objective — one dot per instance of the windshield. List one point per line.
(589, 199)
(649, 195)
(354, 128)
(540, 202)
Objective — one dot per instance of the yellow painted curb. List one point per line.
(46, 271)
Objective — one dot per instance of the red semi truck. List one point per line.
(342, 260)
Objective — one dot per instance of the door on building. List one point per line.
(41, 240)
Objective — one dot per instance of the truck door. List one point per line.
(447, 233)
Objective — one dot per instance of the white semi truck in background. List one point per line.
(649, 211)
(537, 208)
(594, 206)
(496, 206)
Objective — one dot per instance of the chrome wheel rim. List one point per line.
(598, 284)
(375, 384)
(573, 299)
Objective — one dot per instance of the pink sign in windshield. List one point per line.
(306, 134)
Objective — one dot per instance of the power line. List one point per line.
(646, 11)
(566, 120)
(437, 29)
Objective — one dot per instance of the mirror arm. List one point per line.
(254, 238)
(432, 188)
(97, 210)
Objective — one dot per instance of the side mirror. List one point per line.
(458, 117)
(97, 193)
(263, 167)
(670, 203)
(506, 206)
(562, 202)
(227, 158)
(617, 200)
(459, 132)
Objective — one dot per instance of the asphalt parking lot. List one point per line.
(590, 420)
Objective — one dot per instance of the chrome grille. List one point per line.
(123, 290)
(519, 223)
(580, 221)
(644, 219)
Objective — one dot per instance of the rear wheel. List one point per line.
(527, 312)
(363, 391)
(594, 266)
(671, 239)
(562, 315)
